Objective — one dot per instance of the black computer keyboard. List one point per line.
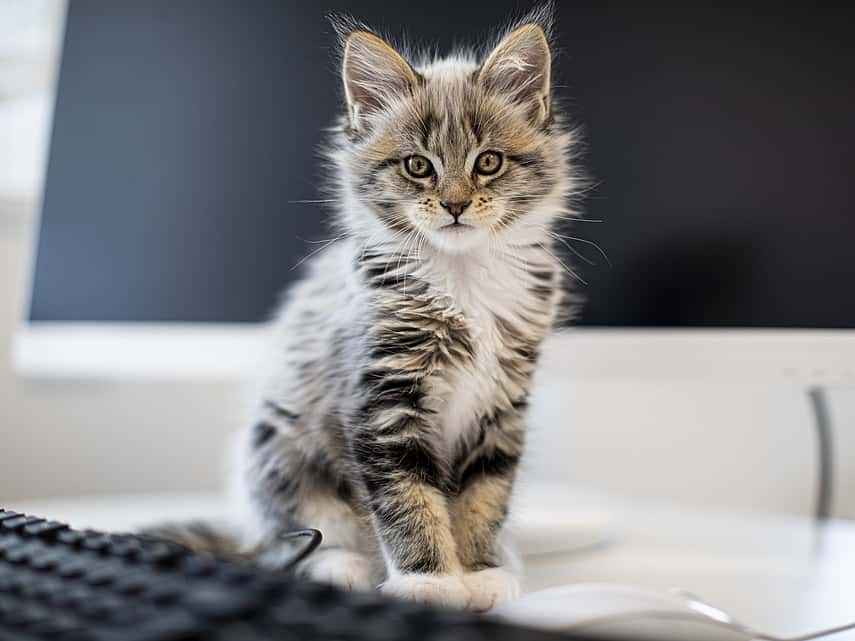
(68, 585)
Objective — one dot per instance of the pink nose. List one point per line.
(455, 208)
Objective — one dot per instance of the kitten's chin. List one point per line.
(457, 239)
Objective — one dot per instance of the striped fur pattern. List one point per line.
(392, 415)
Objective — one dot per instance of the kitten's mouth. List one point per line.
(456, 227)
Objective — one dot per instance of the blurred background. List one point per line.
(743, 445)
(70, 437)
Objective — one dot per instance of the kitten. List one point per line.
(393, 414)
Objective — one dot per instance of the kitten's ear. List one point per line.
(520, 67)
(374, 74)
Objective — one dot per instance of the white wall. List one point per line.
(746, 446)
(750, 447)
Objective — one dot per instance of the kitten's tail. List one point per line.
(202, 537)
(220, 540)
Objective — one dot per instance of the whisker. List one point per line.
(318, 250)
(575, 251)
(579, 219)
(564, 265)
(587, 242)
(324, 240)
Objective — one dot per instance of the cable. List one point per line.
(315, 537)
(822, 419)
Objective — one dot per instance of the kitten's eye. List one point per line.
(488, 163)
(418, 166)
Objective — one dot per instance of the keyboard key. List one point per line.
(96, 543)
(7, 542)
(45, 562)
(162, 593)
(45, 530)
(45, 590)
(19, 555)
(100, 576)
(58, 598)
(72, 568)
(58, 627)
(161, 554)
(296, 612)
(131, 584)
(26, 615)
(199, 566)
(135, 613)
(99, 607)
(237, 576)
(125, 549)
(6, 606)
(78, 596)
(29, 590)
(371, 608)
(70, 537)
(7, 545)
(19, 523)
(166, 626)
(18, 583)
(217, 602)
(318, 592)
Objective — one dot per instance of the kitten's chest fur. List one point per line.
(496, 302)
(469, 392)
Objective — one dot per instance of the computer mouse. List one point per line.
(625, 612)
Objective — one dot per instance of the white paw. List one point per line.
(490, 587)
(342, 568)
(446, 590)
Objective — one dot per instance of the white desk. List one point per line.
(779, 574)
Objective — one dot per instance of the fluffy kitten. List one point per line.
(393, 414)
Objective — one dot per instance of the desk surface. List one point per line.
(782, 575)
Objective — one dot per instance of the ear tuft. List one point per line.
(374, 75)
(520, 67)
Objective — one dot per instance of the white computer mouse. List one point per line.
(624, 612)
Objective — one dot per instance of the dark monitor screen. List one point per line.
(721, 140)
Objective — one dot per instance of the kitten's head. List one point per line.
(462, 151)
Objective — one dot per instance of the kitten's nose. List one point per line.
(455, 208)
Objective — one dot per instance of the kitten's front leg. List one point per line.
(406, 481)
(478, 512)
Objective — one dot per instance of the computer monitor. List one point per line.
(183, 184)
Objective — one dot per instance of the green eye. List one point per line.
(418, 166)
(488, 163)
